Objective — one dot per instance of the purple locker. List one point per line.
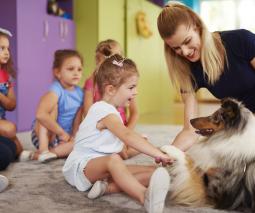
(37, 36)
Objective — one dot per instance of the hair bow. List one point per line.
(7, 32)
(118, 63)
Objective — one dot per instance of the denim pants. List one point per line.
(7, 152)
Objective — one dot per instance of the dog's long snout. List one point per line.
(193, 121)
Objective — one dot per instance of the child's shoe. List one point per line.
(26, 155)
(98, 189)
(47, 156)
(3, 183)
(155, 194)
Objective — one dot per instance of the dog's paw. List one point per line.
(173, 152)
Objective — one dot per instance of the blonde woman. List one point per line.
(222, 62)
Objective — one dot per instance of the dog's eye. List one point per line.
(217, 118)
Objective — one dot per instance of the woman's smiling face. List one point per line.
(186, 42)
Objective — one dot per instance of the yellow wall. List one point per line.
(86, 20)
(155, 93)
(97, 20)
(111, 20)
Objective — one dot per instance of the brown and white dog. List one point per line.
(219, 170)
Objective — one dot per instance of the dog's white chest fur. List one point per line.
(229, 149)
(219, 150)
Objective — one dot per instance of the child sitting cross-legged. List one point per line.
(95, 164)
(56, 123)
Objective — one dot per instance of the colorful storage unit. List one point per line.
(36, 36)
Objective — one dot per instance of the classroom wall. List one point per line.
(155, 92)
(194, 4)
(87, 32)
(97, 20)
(112, 20)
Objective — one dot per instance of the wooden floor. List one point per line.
(175, 114)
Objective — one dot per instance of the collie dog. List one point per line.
(218, 170)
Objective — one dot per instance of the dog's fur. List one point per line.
(219, 170)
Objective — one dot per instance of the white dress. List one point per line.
(91, 143)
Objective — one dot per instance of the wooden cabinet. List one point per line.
(36, 37)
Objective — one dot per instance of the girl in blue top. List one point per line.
(55, 124)
(222, 62)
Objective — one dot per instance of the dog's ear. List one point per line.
(231, 110)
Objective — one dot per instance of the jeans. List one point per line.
(7, 152)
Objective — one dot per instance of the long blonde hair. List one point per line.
(213, 53)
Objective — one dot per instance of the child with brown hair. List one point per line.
(95, 162)
(129, 114)
(10, 146)
(55, 124)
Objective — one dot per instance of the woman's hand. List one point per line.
(185, 139)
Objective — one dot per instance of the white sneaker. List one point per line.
(98, 189)
(26, 155)
(47, 156)
(156, 193)
(4, 182)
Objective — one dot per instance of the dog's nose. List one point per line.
(192, 121)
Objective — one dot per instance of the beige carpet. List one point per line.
(40, 188)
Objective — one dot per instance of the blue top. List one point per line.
(69, 102)
(238, 79)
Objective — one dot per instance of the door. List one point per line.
(33, 75)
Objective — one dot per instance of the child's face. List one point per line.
(70, 72)
(126, 92)
(4, 50)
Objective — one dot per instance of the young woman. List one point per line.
(222, 62)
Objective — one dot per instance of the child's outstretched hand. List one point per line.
(164, 160)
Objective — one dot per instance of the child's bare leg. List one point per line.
(7, 129)
(43, 137)
(113, 165)
(43, 134)
(63, 149)
(141, 173)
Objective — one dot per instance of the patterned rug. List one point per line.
(41, 188)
